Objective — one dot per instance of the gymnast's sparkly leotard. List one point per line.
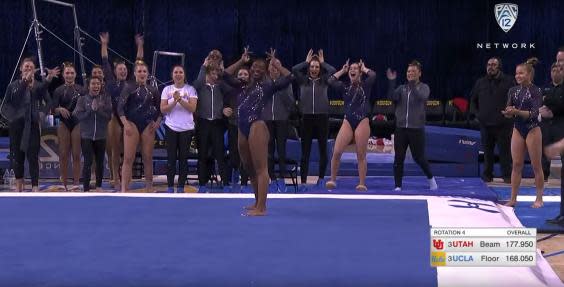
(253, 98)
(526, 99)
(113, 87)
(140, 104)
(66, 96)
(357, 106)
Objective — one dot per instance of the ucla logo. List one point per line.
(506, 15)
(459, 203)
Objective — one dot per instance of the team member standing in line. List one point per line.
(410, 100)
(93, 111)
(178, 103)
(356, 126)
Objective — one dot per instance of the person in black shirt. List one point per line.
(553, 109)
(555, 80)
(488, 99)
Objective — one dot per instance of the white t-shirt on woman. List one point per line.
(179, 119)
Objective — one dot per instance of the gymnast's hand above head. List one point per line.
(104, 38)
(320, 56)
(343, 70)
(207, 61)
(271, 54)
(391, 75)
(277, 64)
(139, 40)
(346, 66)
(246, 57)
(309, 56)
(363, 67)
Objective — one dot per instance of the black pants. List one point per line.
(314, 126)
(500, 135)
(177, 148)
(278, 136)
(546, 140)
(415, 140)
(210, 135)
(18, 156)
(93, 149)
(234, 158)
(555, 132)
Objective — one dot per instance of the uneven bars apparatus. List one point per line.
(77, 37)
(156, 54)
(37, 27)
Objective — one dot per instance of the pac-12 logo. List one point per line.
(506, 15)
(438, 244)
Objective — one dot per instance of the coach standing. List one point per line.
(488, 99)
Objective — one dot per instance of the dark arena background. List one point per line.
(443, 36)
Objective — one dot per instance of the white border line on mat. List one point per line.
(205, 195)
(532, 198)
(209, 195)
(524, 198)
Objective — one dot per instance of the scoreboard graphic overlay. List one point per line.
(483, 247)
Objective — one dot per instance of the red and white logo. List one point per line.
(438, 244)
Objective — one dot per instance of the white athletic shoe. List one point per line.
(433, 184)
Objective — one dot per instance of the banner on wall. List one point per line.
(49, 166)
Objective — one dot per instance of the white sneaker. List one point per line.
(397, 189)
(433, 184)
